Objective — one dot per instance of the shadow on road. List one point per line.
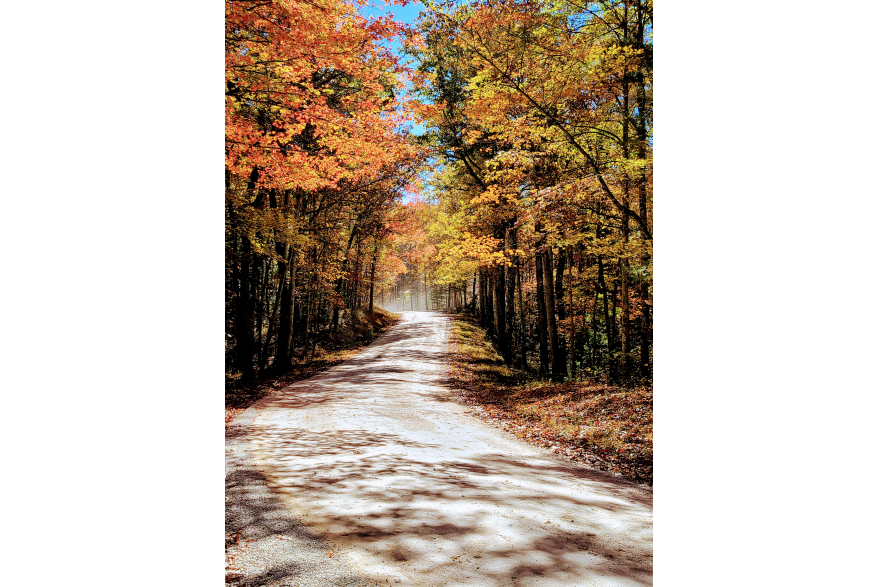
(418, 511)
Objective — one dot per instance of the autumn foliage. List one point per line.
(317, 155)
(527, 201)
(539, 204)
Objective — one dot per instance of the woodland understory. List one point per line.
(606, 427)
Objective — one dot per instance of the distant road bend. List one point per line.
(372, 463)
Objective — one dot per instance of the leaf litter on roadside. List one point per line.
(606, 427)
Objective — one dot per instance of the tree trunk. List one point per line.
(558, 283)
(560, 310)
(482, 299)
(244, 322)
(522, 319)
(605, 291)
(614, 321)
(557, 364)
(259, 297)
(572, 323)
(371, 289)
(625, 213)
(510, 291)
(595, 347)
(625, 320)
(499, 308)
(641, 142)
(292, 305)
(543, 317)
(281, 358)
(271, 323)
(307, 308)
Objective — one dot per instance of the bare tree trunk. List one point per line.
(281, 358)
(522, 337)
(292, 306)
(499, 308)
(614, 322)
(371, 289)
(543, 316)
(572, 323)
(482, 299)
(557, 366)
(244, 315)
(558, 283)
(272, 321)
(609, 341)
(560, 310)
(595, 347)
(307, 325)
(259, 295)
(510, 291)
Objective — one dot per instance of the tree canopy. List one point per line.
(536, 211)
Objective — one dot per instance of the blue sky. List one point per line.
(406, 14)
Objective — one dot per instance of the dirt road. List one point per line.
(372, 462)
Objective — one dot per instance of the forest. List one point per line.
(499, 165)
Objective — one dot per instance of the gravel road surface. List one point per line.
(368, 474)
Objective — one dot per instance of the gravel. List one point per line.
(265, 543)
(369, 474)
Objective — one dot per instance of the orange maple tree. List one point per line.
(312, 97)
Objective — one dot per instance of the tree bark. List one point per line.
(482, 299)
(522, 319)
(625, 214)
(499, 308)
(307, 309)
(641, 145)
(572, 323)
(271, 323)
(245, 302)
(281, 358)
(543, 317)
(244, 322)
(614, 322)
(371, 289)
(560, 310)
(606, 321)
(291, 334)
(510, 290)
(488, 300)
(557, 366)
(558, 283)
(595, 347)
(259, 285)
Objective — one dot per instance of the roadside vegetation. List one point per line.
(334, 347)
(604, 426)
